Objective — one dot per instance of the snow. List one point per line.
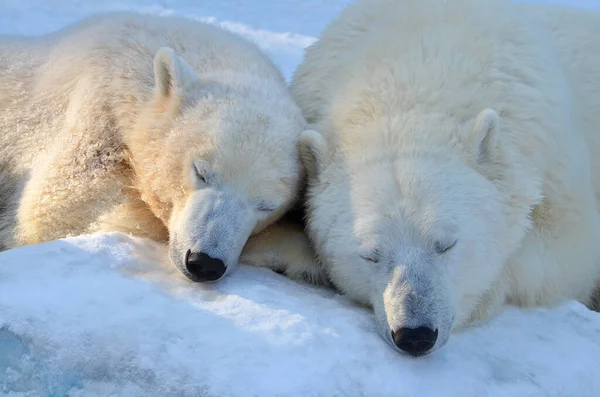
(106, 315)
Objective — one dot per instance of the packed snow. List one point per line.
(107, 315)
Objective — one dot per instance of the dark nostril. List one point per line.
(203, 267)
(415, 341)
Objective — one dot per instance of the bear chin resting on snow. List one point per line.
(162, 127)
(457, 169)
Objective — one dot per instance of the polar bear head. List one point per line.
(414, 230)
(216, 162)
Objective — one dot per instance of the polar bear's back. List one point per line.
(576, 36)
(109, 56)
(382, 59)
(125, 43)
(387, 46)
(206, 47)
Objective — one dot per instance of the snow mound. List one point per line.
(106, 314)
(36, 17)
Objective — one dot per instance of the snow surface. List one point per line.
(106, 315)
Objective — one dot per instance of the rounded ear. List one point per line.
(485, 132)
(171, 73)
(312, 148)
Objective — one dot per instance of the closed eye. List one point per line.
(266, 206)
(372, 256)
(201, 177)
(442, 248)
(201, 172)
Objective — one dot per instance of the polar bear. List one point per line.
(454, 167)
(163, 127)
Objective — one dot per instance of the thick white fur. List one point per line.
(466, 125)
(163, 127)
(284, 247)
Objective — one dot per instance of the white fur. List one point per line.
(163, 127)
(459, 124)
(284, 247)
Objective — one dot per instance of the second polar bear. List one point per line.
(458, 165)
(162, 127)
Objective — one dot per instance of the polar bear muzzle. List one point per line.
(209, 232)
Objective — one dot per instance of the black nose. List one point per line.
(415, 341)
(203, 267)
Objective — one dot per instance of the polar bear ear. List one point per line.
(171, 73)
(485, 132)
(312, 148)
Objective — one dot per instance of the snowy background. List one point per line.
(106, 315)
